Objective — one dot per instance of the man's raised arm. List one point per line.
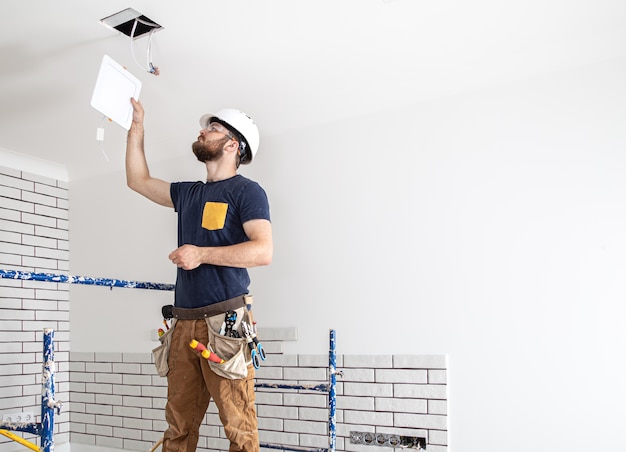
(137, 173)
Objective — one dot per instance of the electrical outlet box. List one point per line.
(124, 21)
(388, 440)
(19, 418)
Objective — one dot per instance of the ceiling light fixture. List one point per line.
(134, 24)
(131, 23)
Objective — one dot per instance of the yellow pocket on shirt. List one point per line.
(214, 215)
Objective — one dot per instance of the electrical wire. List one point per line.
(101, 130)
(151, 68)
(145, 22)
(132, 48)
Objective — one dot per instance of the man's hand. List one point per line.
(186, 257)
(254, 252)
(138, 112)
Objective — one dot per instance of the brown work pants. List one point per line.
(191, 385)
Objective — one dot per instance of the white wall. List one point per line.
(489, 227)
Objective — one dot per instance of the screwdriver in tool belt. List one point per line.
(207, 354)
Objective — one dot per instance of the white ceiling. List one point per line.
(289, 63)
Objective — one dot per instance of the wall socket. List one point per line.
(26, 416)
(388, 440)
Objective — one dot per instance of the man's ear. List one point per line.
(233, 145)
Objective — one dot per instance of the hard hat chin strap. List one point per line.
(244, 154)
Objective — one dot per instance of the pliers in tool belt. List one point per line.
(256, 349)
(228, 325)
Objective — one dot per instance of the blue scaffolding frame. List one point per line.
(49, 405)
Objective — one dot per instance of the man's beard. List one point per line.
(209, 151)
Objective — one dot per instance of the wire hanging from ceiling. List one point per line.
(150, 67)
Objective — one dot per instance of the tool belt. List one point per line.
(172, 312)
(234, 351)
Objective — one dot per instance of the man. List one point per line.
(223, 229)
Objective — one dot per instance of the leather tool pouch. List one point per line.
(233, 350)
(162, 352)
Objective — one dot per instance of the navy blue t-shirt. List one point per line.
(213, 214)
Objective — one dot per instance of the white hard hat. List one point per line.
(240, 123)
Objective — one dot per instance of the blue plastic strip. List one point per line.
(68, 279)
(332, 394)
(47, 400)
(25, 427)
(294, 448)
(320, 387)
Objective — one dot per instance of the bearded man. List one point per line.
(223, 229)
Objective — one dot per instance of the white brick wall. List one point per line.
(33, 237)
(117, 401)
